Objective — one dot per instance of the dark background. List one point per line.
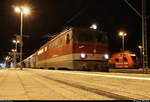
(49, 17)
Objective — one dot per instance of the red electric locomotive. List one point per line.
(74, 48)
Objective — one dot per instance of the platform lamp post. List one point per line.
(140, 47)
(14, 56)
(144, 33)
(15, 42)
(22, 10)
(122, 34)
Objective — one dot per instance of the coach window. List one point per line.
(116, 59)
(67, 39)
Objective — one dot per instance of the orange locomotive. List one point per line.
(74, 48)
(130, 60)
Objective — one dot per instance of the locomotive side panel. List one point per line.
(58, 51)
(30, 62)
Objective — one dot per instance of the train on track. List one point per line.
(75, 49)
(126, 59)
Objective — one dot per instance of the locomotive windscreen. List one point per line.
(89, 36)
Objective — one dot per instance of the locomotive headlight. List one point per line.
(83, 55)
(106, 56)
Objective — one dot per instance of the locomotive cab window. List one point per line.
(90, 36)
(102, 38)
(67, 39)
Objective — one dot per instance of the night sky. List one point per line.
(49, 17)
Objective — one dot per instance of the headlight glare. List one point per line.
(106, 56)
(83, 55)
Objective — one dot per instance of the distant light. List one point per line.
(13, 50)
(7, 58)
(16, 41)
(139, 46)
(125, 34)
(94, 26)
(2, 65)
(122, 34)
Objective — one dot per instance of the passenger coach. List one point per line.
(74, 48)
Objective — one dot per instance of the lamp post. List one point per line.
(140, 47)
(22, 10)
(16, 42)
(144, 32)
(15, 54)
(122, 34)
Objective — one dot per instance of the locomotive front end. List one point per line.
(90, 50)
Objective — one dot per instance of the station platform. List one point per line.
(42, 84)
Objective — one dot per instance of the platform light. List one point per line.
(140, 47)
(22, 9)
(7, 58)
(122, 34)
(2, 65)
(16, 41)
(13, 50)
(26, 10)
(17, 9)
